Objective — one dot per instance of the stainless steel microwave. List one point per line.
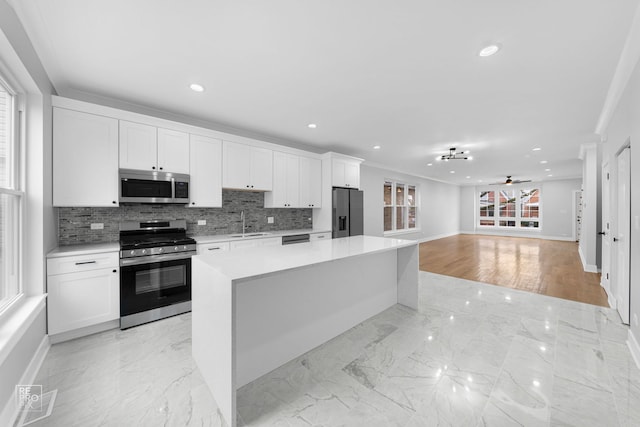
(138, 186)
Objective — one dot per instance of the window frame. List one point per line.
(518, 218)
(395, 183)
(16, 188)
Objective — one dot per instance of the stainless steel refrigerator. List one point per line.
(347, 212)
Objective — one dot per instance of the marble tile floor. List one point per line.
(472, 355)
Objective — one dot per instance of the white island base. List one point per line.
(255, 310)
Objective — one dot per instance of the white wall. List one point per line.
(468, 196)
(18, 55)
(558, 201)
(591, 207)
(625, 125)
(557, 211)
(439, 210)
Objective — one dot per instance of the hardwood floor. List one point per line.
(547, 267)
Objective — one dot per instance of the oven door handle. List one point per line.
(155, 258)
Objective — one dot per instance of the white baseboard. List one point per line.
(610, 298)
(82, 332)
(589, 268)
(634, 348)
(11, 410)
(523, 235)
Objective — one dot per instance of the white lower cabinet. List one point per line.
(207, 248)
(82, 296)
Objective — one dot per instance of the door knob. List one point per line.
(602, 233)
(615, 239)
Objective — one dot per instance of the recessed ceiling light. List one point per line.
(470, 158)
(537, 149)
(479, 180)
(452, 171)
(429, 164)
(547, 170)
(550, 175)
(492, 49)
(468, 177)
(543, 162)
(312, 125)
(196, 87)
(376, 147)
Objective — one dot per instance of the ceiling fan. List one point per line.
(510, 181)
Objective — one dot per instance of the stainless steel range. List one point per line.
(155, 271)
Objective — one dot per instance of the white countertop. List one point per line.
(94, 248)
(278, 233)
(91, 248)
(261, 261)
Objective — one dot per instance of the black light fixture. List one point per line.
(453, 155)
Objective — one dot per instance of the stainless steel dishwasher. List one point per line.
(295, 238)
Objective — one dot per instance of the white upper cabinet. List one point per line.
(138, 146)
(206, 172)
(286, 186)
(246, 167)
(85, 159)
(297, 182)
(310, 182)
(173, 151)
(345, 173)
(147, 147)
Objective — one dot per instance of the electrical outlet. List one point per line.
(202, 222)
(97, 226)
(635, 319)
(269, 220)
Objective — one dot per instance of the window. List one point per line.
(400, 207)
(11, 198)
(510, 208)
(530, 208)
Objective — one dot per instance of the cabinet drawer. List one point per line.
(207, 248)
(74, 264)
(321, 236)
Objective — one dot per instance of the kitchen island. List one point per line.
(257, 309)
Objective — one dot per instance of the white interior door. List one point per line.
(605, 230)
(622, 240)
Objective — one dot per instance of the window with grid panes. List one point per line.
(11, 198)
(400, 206)
(509, 207)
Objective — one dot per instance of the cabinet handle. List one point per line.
(160, 167)
(252, 186)
(213, 249)
(153, 167)
(115, 271)
(247, 186)
(320, 237)
(114, 202)
(193, 203)
(85, 262)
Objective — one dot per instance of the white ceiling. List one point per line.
(404, 75)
